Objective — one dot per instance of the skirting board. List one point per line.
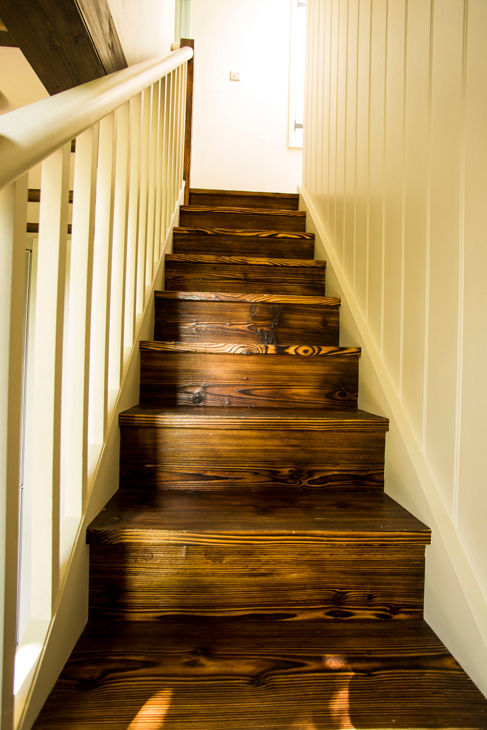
(455, 604)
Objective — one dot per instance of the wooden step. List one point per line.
(354, 554)
(235, 448)
(198, 272)
(214, 674)
(205, 216)
(222, 374)
(206, 317)
(244, 199)
(228, 241)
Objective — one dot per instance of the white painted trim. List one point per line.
(467, 578)
(70, 611)
(31, 133)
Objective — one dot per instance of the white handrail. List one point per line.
(30, 134)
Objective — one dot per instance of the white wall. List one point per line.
(19, 84)
(395, 175)
(145, 27)
(240, 128)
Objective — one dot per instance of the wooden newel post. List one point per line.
(189, 121)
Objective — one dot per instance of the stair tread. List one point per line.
(244, 232)
(253, 298)
(249, 193)
(249, 260)
(223, 417)
(249, 349)
(285, 213)
(234, 674)
(351, 514)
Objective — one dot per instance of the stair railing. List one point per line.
(89, 290)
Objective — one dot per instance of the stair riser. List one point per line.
(198, 276)
(242, 219)
(228, 244)
(378, 579)
(271, 381)
(239, 199)
(245, 322)
(200, 458)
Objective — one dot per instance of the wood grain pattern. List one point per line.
(244, 199)
(310, 419)
(224, 241)
(172, 378)
(279, 323)
(211, 296)
(64, 46)
(248, 260)
(354, 555)
(196, 274)
(227, 217)
(225, 348)
(209, 674)
(239, 453)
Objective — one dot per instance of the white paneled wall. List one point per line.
(395, 179)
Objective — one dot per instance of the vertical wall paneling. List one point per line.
(393, 186)
(473, 454)
(376, 167)
(416, 179)
(350, 156)
(362, 194)
(446, 101)
(342, 99)
(397, 187)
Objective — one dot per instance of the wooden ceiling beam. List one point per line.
(67, 42)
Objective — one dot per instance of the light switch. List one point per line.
(234, 75)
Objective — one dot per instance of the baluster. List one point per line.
(13, 217)
(132, 225)
(151, 199)
(47, 360)
(143, 197)
(117, 291)
(76, 371)
(101, 276)
(160, 143)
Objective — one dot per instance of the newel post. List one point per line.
(189, 121)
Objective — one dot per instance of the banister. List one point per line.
(31, 133)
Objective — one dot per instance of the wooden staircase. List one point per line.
(251, 572)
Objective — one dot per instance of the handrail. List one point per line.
(31, 133)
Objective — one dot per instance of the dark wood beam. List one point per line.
(67, 42)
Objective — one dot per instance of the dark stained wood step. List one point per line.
(354, 555)
(194, 272)
(211, 674)
(200, 318)
(227, 241)
(244, 199)
(235, 448)
(203, 216)
(214, 374)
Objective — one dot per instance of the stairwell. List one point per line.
(251, 572)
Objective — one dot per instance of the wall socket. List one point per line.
(234, 75)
